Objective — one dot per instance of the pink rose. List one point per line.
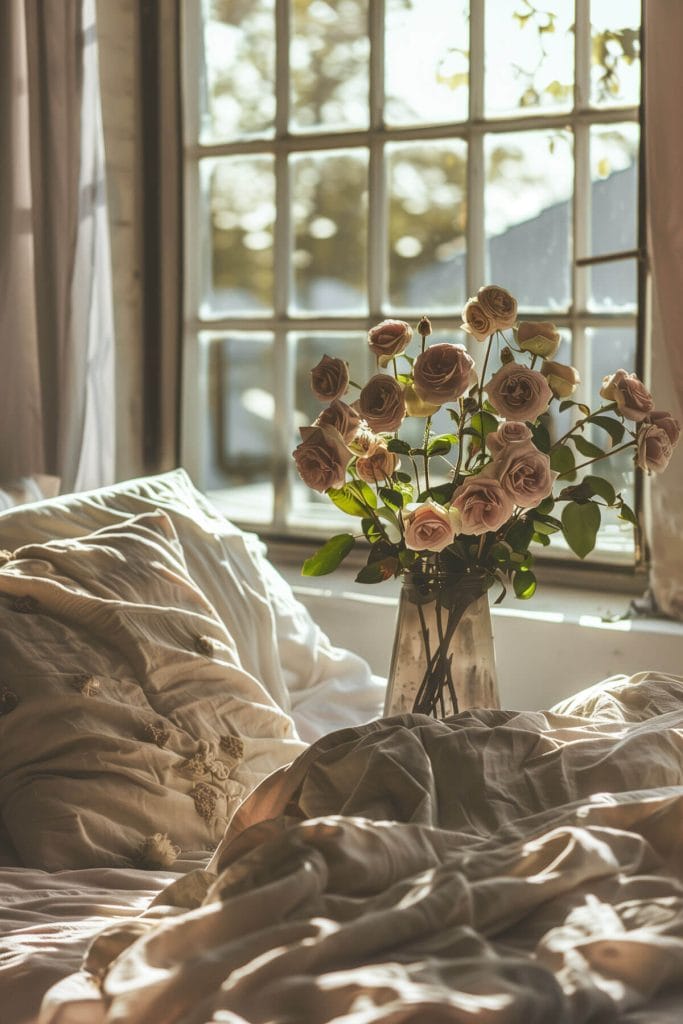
(525, 473)
(562, 380)
(653, 448)
(321, 458)
(342, 417)
(633, 400)
(518, 393)
(330, 378)
(541, 339)
(483, 504)
(381, 403)
(389, 339)
(477, 321)
(429, 527)
(443, 373)
(377, 464)
(506, 434)
(499, 305)
(666, 421)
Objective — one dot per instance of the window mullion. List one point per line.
(581, 243)
(377, 198)
(476, 243)
(282, 248)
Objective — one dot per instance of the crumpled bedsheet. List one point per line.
(498, 867)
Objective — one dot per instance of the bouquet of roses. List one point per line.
(509, 482)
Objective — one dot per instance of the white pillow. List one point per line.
(129, 726)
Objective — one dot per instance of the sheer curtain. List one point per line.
(664, 149)
(56, 318)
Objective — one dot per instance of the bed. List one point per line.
(204, 818)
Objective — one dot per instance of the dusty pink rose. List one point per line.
(342, 417)
(321, 458)
(330, 378)
(653, 448)
(381, 403)
(443, 373)
(525, 473)
(666, 421)
(541, 339)
(483, 504)
(562, 380)
(518, 393)
(477, 321)
(499, 305)
(632, 398)
(377, 463)
(506, 434)
(429, 527)
(389, 339)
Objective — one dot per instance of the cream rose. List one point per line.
(667, 423)
(562, 380)
(377, 463)
(506, 434)
(321, 458)
(632, 398)
(525, 473)
(541, 339)
(342, 417)
(428, 526)
(389, 339)
(443, 373)
(518, 393)
(483, 504)
(330, 378)
(653, 448)
(499, 305)
(414, 404)
(477, 321)
(382, 404)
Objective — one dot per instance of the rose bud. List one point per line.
(653, 448)
(443, 373)
(506, 434)
(666, 421)
(518, 393)
(477, 321)
(321, 458)
(562, 380)
(389, 339)
(377, 464)
(424, 328)
(632, 398)
(428, 526)
(506, 356)
(483, 505)
(330, 378)
(381, 403)
(542, 339)
(499, 305)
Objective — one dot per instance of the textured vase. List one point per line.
(443, 659)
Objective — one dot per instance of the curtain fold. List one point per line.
(663, 91)
(55, 274)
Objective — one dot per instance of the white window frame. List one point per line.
(283, 323)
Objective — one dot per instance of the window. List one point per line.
(360, 159)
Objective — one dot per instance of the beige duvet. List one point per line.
(499, 867)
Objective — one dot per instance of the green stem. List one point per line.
(605, 455)
(425, 442)
(461, 441)
(580, 423)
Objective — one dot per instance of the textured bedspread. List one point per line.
(499, 867)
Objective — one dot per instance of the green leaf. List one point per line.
(484, 423)
(586, 447)
(580, 525)
(438, 447)
(614, 428)
(371, 530)
(545, 528)
(546, 506)
(391, 497)
(379, 571)
(353, 498)
(519, 535)
(329, 556)
(540, 538)
(627, 514)
(404, 478)
(398, 446)
(441, 494)
(524, 584)
(563, 462)
(603, 488)
(566, 403)
(541, 437)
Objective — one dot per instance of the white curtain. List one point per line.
(664, 151)
(56, 318)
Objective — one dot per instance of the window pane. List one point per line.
(615, 48)
(614, 213)
(528, 213)
(330, 194)
(238, 207)
(238, 86)
(329, 54)
(529, 57)
(236, 429)
(431, 39)
(427, 224)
